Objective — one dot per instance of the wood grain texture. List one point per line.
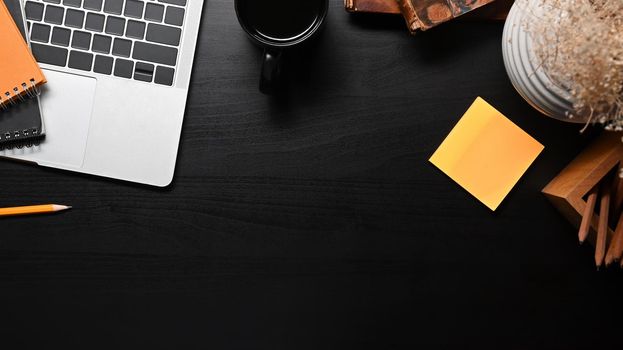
(572, 190)
(312, 221)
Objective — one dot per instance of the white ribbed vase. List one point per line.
(529, 80)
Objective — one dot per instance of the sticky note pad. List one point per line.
(486, 153)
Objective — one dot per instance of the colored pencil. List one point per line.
(587, 217)
(33, 209)
(615, 248)
(617, 197)
(602, 229)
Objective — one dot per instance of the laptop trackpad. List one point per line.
(67, 104)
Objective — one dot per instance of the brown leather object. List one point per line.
(497, 10)
(372, 6)
(422, 15)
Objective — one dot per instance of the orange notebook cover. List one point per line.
(20, 74)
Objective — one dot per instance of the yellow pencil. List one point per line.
(33, 209)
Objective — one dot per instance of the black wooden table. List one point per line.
(312, 221)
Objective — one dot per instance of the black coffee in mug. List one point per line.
(281, 20)
(279, 24)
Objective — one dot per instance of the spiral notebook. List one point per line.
(20, 79)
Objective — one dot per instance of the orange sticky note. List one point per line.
(486, 153)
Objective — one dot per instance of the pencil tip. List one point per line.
(59, 207)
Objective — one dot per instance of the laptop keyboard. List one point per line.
(128, 39)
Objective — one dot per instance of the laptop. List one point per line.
(118, 76)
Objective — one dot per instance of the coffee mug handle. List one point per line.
(271, 70)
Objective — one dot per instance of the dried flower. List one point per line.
(579, 45)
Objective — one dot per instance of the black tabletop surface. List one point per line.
(314, 220)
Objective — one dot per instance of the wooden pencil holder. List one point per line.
(594, 170)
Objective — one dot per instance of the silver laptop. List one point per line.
(118, 74)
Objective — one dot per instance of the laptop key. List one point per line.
(54, 14)
(154, 53)
(40, 33)
(134, 8)
(163, 34)
(124, 68)
(34, 11)
(164, 76)
(49, 54)
(122, 47)
(95, 5)
(74, 18)
(101, 43)
(73, 3)
(115, 25)
(61, 36)
(103, 65)
(113, 6)
(154, 12)
(144, 72)
(81, 40)
(174, 2)
(135, 29)
(53, 1)
(80, 60)
(95, 22)
(174, 16)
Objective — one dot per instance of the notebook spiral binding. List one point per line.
(19, 138)
(19, 94)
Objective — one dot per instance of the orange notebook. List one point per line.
(21, 124)
(20, 75)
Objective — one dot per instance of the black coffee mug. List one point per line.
(276, 25)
